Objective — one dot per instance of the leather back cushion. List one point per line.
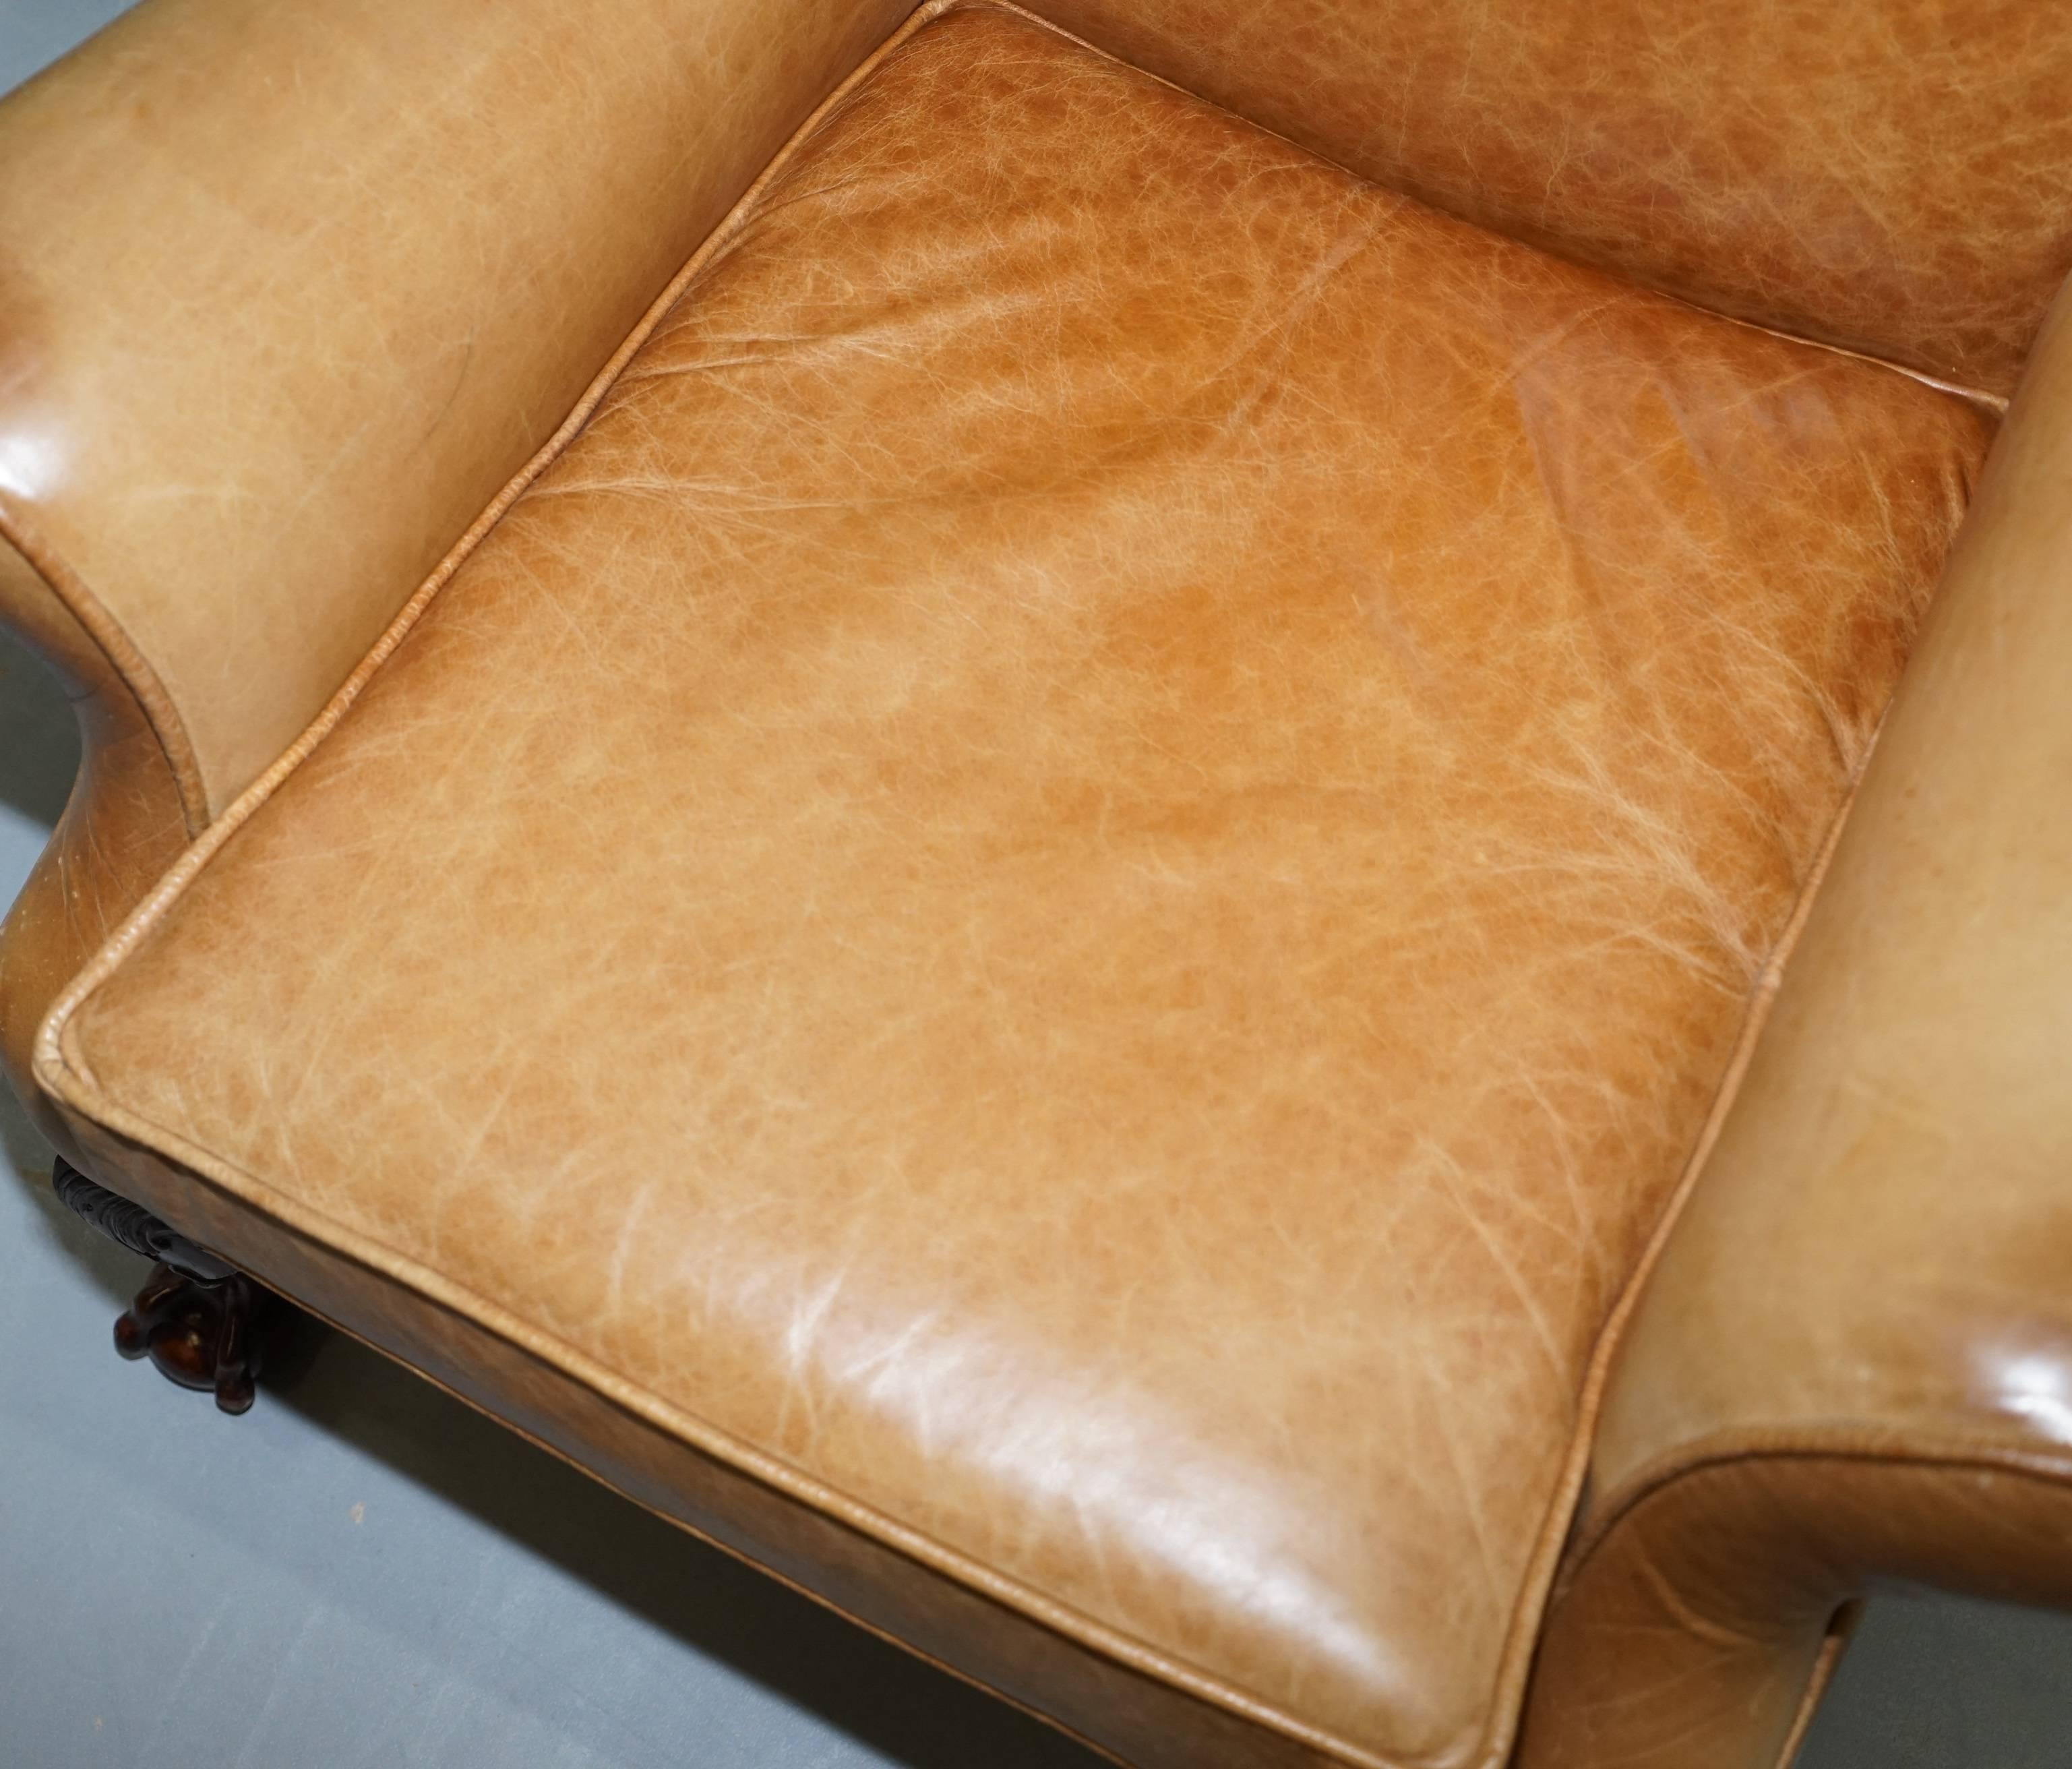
(1889, 175)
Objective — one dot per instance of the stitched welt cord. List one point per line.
(732, 1552)
(1996, 403)
(82, 1092)
(1539, 1589)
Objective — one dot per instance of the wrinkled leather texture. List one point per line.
(346, 264)
(1074, 885)
(1882, 174)
(1883, 1233)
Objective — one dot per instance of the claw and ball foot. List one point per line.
(202, 1323)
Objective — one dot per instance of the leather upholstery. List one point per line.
(1073, 887)
(1884, 1231)
(350, 263)
(314, 327)
(126, 821)
(1695, 1631)
(1140, 1718)
(1881, 173)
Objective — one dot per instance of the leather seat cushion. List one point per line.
(1076, 882)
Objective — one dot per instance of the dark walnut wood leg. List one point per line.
(202, 1322)
(200, 1336)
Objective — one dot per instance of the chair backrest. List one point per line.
(1893, 176)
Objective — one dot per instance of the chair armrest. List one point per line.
(128, 817)
(289, 289)
(293, 286)
(1853, 1361)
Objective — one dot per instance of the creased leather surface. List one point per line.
(287, 291)
(1882, 174)
(1077, 881)
(1881, 1241)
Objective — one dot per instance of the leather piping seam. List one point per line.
(63, 1069)
(1996, 403)
(1977, 395)
(1537, 1595)
(713, 1542)
(125, 662)
(68, 1076)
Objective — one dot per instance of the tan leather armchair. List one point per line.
(1084, 819)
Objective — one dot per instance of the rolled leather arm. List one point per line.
(1853, 1361)
(289, 289)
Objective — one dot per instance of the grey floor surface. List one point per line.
(364, 1573)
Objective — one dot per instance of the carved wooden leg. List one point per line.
(200, 1336)
(202, 1322)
